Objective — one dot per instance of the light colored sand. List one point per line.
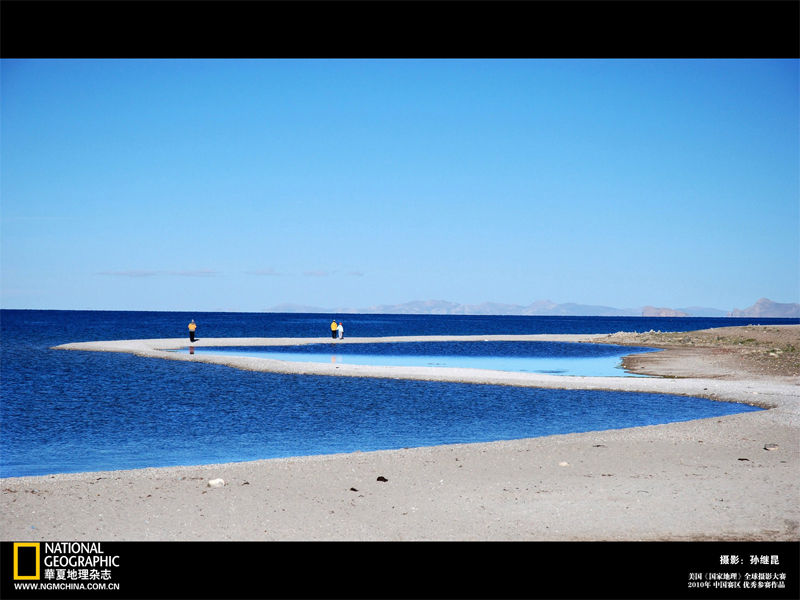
(705, 479)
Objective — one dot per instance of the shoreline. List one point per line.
(703, 381)
(725, 478)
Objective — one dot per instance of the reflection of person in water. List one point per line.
(334, 328)
(192, 327)
(340, 330)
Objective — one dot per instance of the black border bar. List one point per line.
(400, 29)
(468, 570)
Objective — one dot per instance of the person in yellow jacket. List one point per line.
(192, 327)
(334, 329)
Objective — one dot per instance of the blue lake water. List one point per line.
(553, 358)
(68, 411)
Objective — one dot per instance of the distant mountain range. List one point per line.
(767, 308)
(762, 308)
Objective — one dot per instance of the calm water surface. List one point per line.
(68, 411)
(555, 358)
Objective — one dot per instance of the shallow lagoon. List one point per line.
(553, 358)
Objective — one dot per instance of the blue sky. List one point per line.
(243, 184)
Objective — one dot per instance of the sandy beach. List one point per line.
(728, 478)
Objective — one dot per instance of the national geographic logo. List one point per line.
(32, 568)
(26, 561)
(63, 561)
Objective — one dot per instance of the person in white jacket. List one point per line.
(340, 330)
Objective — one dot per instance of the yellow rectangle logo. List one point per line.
(26, 560)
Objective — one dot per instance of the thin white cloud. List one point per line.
(131, 273)
(197, 273)
(147, 273)
(264, 272)
(316, 273)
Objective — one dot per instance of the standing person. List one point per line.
(340, 330)
(334, 328)
(192, 327)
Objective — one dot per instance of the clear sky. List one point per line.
(244, 184)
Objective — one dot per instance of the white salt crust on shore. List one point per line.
(733, 477)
